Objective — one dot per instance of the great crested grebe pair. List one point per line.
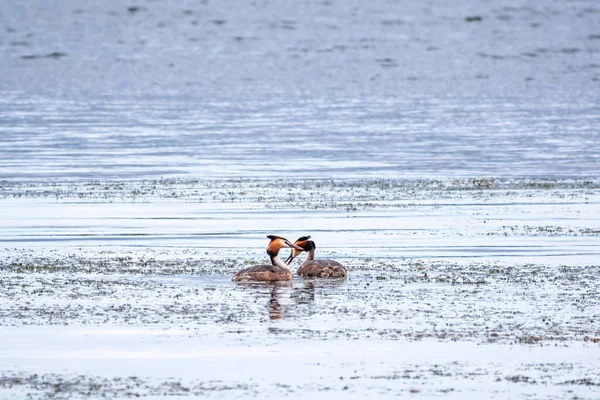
(280, 271)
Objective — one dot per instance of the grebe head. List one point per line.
(277, 243)
(305, 244)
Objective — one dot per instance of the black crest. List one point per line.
(303, 238)
(274, 237)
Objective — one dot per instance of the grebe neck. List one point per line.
(310, 255)
(275, 260)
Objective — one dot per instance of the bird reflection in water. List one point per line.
(301, 295)
(305, 294)
(276, 291)
(274, 307)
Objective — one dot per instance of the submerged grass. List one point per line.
(390, 299)
(413, 379)
(106, 265)
(63, 386)
(303, 194)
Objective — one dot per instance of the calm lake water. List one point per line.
(297, 139)
(318, 89)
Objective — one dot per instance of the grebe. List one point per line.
(277, 271)
(312, 268)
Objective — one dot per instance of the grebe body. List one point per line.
(277, 271)
(312, 268)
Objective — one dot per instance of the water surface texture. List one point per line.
(318, 88)
(331, 49)
(340, 138)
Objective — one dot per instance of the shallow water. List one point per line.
(559, 225)
(457, 289)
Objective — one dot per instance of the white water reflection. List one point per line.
(454, 230)
(379, 138)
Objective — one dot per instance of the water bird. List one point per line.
(312, 268)
(277, 271)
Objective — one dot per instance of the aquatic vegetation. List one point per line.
(473, 262)
(312, 194)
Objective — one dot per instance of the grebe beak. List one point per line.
(289, 259)
(293, 246)
(296, 250)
